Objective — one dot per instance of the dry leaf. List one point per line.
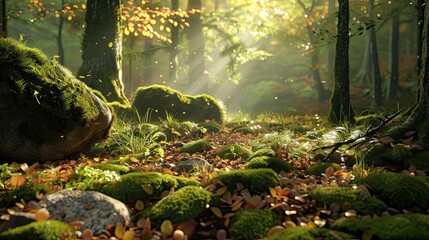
(17, 180)
(42, 215)
(129, 235)
(148, 189)
(167, 228)
(216, 211)
(119, 230)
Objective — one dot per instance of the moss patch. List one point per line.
(27, 192)
(256, 180)
(368, 205)
(320, 168)
(234, 151)
(266, 151)
(402, 226)
(112, 167)
(49, 230)
(308, 233)
(252, 223)
(273, 163)
(196, 146)
(382, 155)
(185, 204)
(399, 190)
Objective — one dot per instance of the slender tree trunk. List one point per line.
(392, 83)
(60, 38)
(377, 98)
(3, 19)
(174, 42)
(341, 109)
(420, 23)
(363, 76)
(130, 68)
(102, 49)
(148, 61)
(197, 68)
(331, 48)
(315, 66)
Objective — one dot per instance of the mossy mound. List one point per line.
(252, 223)
(212, 127)
(387, 155)
(340, 195)
(320, 168)
(256, 180)
(49, 230)
(244, 129)
(419, 160)
(183, 182)
(201, 145)
(402, 226)
(184, 204)
(123, 111)
(26, 192)
(158, 101)
(234, 151)
(112, 167)
(308, 233)
(398, 190)
(274, 163)
(140, 186)
(47, 114)
(266, 151)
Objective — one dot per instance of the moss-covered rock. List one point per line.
(398, 190)
(386, 154)
(320, 168)
(256, 180)
(234, 151)
(26, 192)
(340, 195)
(212, 127)
(244, 129)
(112, 167)
(252, 223)
(123, 111)
(49, 230)
(419, 160)
(274, 163)
(308, 233)
(184, 204)
(47, 114)
(201, 145)
(402, 226)
(266, 151)
(161, 100)
(140, 186)
(183, 182)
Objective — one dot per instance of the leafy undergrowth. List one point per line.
(294, 141)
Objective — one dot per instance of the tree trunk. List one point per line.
(173, 49)
(331, 50)
(315, 66)
(3, 19)
(341, 109)
(197, 71)
(392, 87)
(148, 61)
(363, 76)
(377, 98)
(102, 49)
(60, 38)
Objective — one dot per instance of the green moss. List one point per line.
(184, 204)
(243, 129)
(196, 146)
(48, 93)
(256, 180)
(49, 230)
(273, 163)
(399, 190)
(308, 233)
(212, 127)
(402, 226)
(370, 119)
(252, 223)
(234, 151)
(420, 160)
(382, 154)
(123, 111)
(266, 151)
(112, 167)
(130, 187)
(320, 168)
(182, 182)
(160, 100)
(27, 192)
(368, 205)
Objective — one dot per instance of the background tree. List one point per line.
(173, 75)
(341, 108)
(3, 19)
(102, 49)
(392, 85)
(376, 81)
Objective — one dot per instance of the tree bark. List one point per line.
(363, 76)
(197, 68)
(102, 49)
(331, 50)
(3, 19)
(377, 98)
(392, 87)
(341, 109)
(60, 38)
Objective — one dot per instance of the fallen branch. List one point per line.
(371, 131)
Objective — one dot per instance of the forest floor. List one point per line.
(293, 139)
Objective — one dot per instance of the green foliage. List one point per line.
(140, 186)
(184, 204)
(26, 192)
(364, 205)
(320, 168)
(308, 233)
(234, 151)
(120, 169)
(173, 128)
(402, 226)
(201, 145)
(256, 180)
(274, 163)
(252, 223)
(5, 173)
(89, 178)
(284, 140)
(398, 190)
(49, 230)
